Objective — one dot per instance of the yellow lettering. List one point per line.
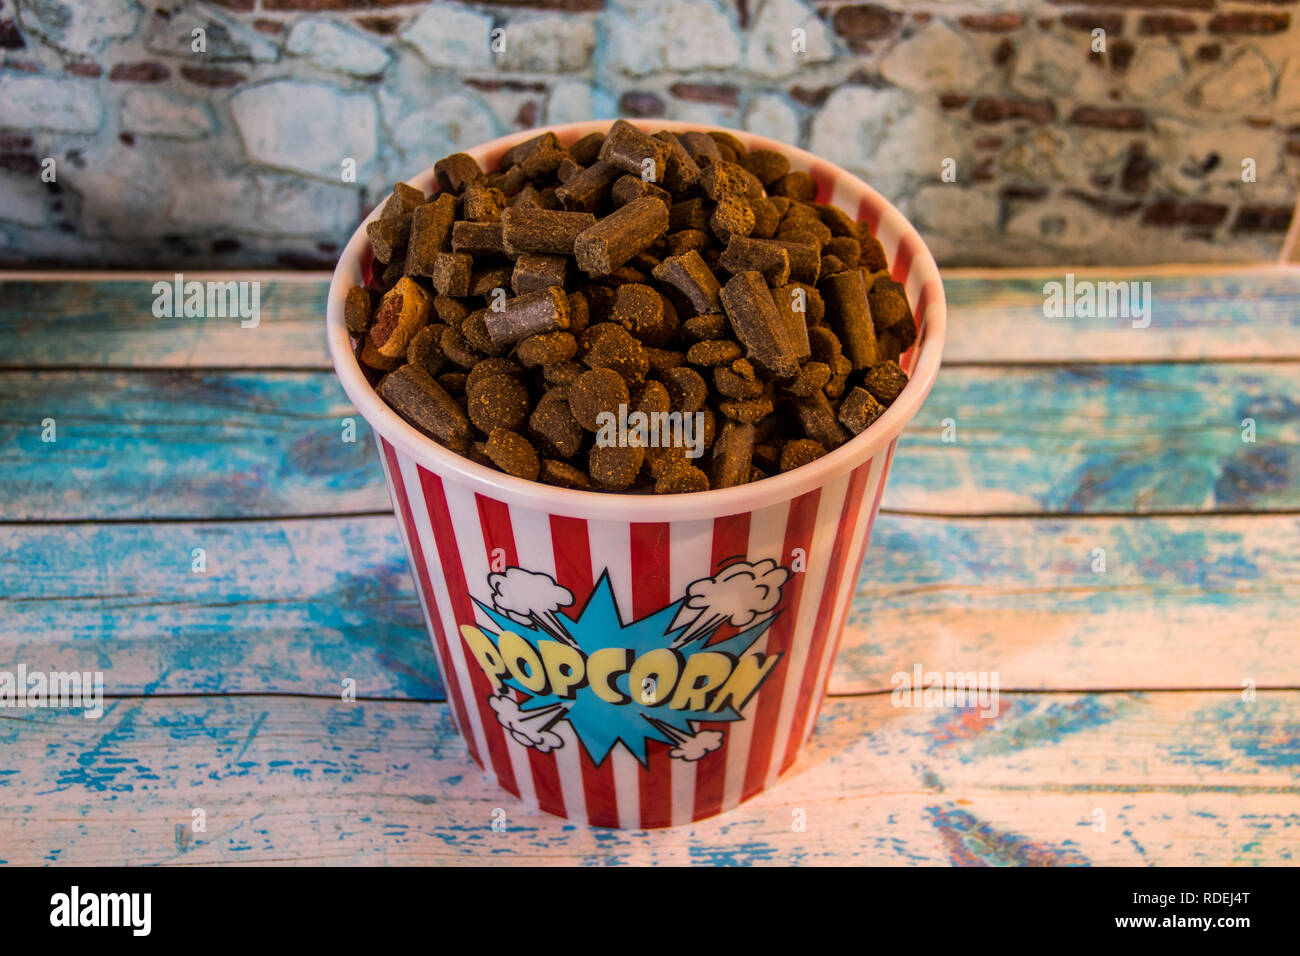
(485, 653)
(653, 675)
(522, 661)
(751, 670)
(704, 672)
(602, 667)
(564, 667)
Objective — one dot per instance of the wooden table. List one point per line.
(1150, 712)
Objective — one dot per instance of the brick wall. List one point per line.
(164, 156)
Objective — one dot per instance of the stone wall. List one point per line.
(237, 155)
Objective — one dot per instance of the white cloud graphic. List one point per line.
(740, 594)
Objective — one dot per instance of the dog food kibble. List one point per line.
(512, 454)
(636, 311)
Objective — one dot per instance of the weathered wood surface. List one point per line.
(1134, 779)
(983, 561)
(1026, 440)
(109, 321)
(1213, 314)
(294, 607)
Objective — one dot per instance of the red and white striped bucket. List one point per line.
(642, 661)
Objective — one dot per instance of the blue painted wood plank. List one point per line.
(109, 321)
(1196, 314)
(294, 607)
(1223, 314)
(1187, 778)
(1028, 440)
(182, 444)
(289, 607)
(1103, 438)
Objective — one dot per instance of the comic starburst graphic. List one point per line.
(598, 723)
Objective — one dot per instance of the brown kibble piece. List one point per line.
(371, 357)
(596, 391)
(457, 171)
(886, 381)
(633, 151)
(477, 238)
(730, 384)
(859, 409)
(703, 327)
(873, 253)
(563, 475)
(545, 310)
(496, 401)
(615, 467)
(749, 411)
(453, 382)
(732, 455)
(642, 311)
(888, 309)
(844, 248)
(513, 454)
(425, 349)
(547, 348)
(388, 237)
(758, 325)
(402, 312)
(449, 310)
(588, 190)
(535, 271)
(451, 272)
(688, 274)
(552, 426)
(401, 200)
(483, 203)
(755, 255)
(651, 397)
(687, 390)
(702, 147)
(812, 377)
(457, 349)
(603, 247)
(731, 217)
(627, 188)
(493, 365)
(357, 310)
(724, 180)
(680, 479)
(847, 313)
(476, 334)
(818, 420)
(414, 395)
(430, 234)
(801, 451)
(566, 373)
(767, 164)
(715, 352)
(681, 172)
(585, 150)
(550, 232)
(609, 345)
(795, 185)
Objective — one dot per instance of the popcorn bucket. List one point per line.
(642, 660)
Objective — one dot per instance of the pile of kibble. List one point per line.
(655, 274)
